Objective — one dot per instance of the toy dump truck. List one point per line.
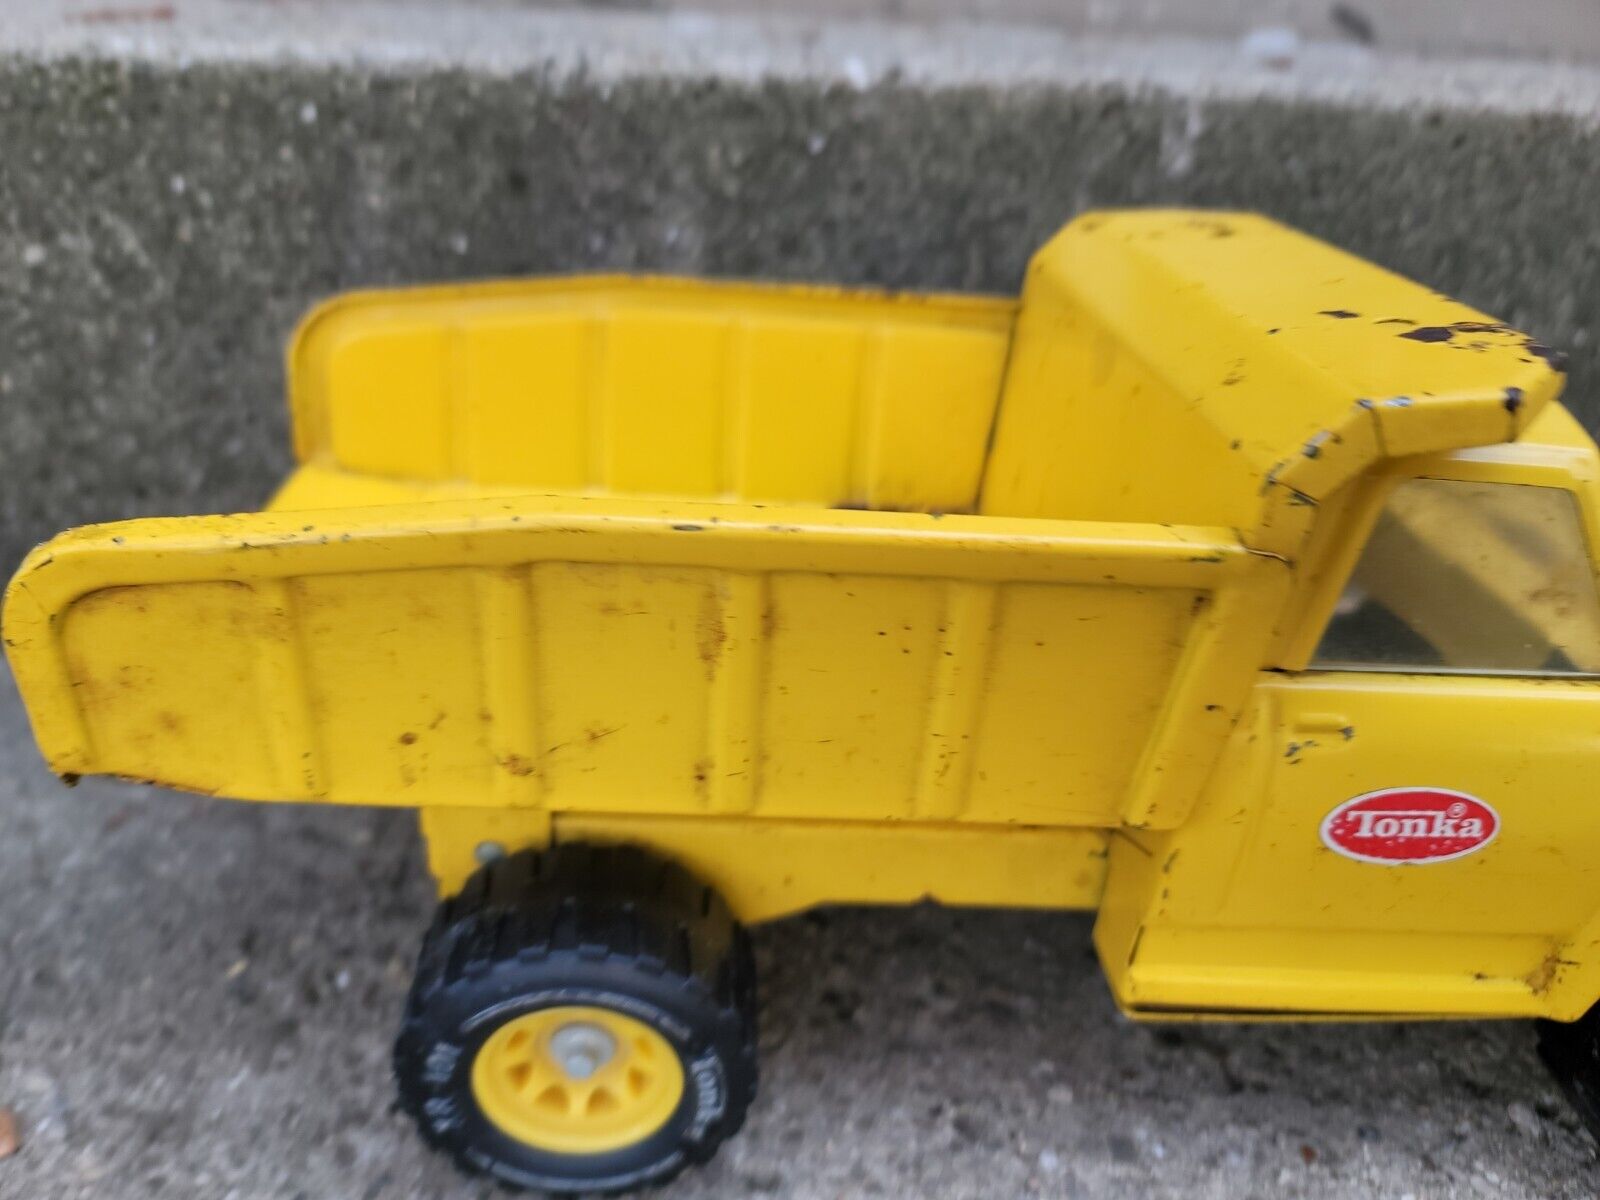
(1225, 584)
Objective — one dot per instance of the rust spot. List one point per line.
(1394, 321)
(1338, 314)
(687, 527)
(711, 634)
(595, 732)
(408, 738)
(517, 764)
(1543, 976)
(1559, 600)
(1347, 732)
(170, 721)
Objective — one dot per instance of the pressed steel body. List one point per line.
(860, 597)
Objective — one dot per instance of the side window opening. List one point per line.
(1492, 578)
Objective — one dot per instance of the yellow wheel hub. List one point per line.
(577, 1079)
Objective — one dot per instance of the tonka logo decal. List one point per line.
(1410, 826)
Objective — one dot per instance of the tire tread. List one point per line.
(618, 904)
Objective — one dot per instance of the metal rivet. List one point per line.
(487, 852)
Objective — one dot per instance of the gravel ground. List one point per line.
(196, 1000)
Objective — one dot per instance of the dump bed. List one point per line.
(626, 656)
(648, 387)
(643, 546)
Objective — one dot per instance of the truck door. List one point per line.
(1428, 830)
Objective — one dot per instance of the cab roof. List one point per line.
(1216, 367)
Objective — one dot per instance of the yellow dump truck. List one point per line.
(1224, 583)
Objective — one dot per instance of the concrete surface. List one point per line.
(174, 191)
(1559, 30)
(197, 997)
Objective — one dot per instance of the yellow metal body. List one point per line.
(855, 597)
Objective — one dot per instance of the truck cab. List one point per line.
(1398, 821)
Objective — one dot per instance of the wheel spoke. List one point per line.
(601, 1099)
(534, 1074)
(578, 1097)
(554, 1098)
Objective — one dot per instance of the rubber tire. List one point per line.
(1572, 1052)
(577, 924)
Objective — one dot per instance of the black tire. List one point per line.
(1572, 1052)
(613, 927)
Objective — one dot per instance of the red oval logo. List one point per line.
(1399, 826)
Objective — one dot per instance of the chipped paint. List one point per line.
(1547, 973)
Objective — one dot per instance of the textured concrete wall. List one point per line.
(169, 204)
(163, 218)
